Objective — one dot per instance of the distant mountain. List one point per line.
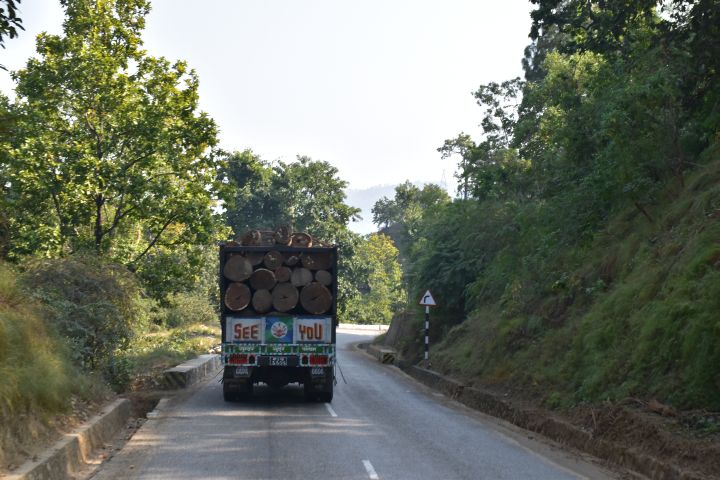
(364, 199)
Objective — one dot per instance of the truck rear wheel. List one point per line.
(229, 396)
(326, 397)
(312, 394)
(233, 393)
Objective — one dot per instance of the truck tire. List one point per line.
(326, 397)
(235, 395)
(322, 396)
(228, 395)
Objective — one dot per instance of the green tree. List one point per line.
(307, 194)
(9, 21)
(493, 167)
(252, 203)
(372, 290)
(402, 215)
(110, 148)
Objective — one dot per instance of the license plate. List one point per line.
(241, 371)
(278, 361)
(317, 371)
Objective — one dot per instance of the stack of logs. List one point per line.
(262, 282)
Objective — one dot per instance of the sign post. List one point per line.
(427, 301)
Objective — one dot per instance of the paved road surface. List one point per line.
(381, 425)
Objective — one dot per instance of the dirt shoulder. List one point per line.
(645, 437)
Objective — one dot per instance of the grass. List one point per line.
(44, 391)
(163, 347)
(634, 314)
(39, 381)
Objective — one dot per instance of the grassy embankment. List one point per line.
(636, 313)
(46, 387)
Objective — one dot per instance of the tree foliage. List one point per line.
(307, 194)
(109, 151)
(617, 111)
(10, 22)
(372, 288)
(401, 216)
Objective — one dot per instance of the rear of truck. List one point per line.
(278, 324)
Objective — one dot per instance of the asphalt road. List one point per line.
(380, 425)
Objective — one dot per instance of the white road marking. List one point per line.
(330, 410)
(370, 470)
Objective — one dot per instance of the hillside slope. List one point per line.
(634, 313)
(41, 392)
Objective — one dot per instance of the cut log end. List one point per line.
(324, 277)
(282, 274)
(285, 297)
(302, 240)
(237, 296)
(316, 299)
(262, 301)
(316, 261)
(301, 276)
(262, 279)
(252, 237)
(273, 259)
(237, 268)
(283, 235)
(255, 258)
(292, 260)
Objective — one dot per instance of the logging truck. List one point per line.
(278, 314)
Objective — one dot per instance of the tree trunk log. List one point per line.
(262, 279)
(324, 277)
(301, 240)
(285, 297)
(292, 260)
(237, 296)
(282, 274)
(316, 261)
(316, 299)
(262, 301)
(255, 258)
(300, 277)
(237, 268)
(273, 260)
(283, 235)
(252, 237)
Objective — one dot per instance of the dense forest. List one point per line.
(581, 259)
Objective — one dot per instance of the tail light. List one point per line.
(318, 359)
(238, 359)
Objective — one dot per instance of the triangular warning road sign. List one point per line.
(427, 300)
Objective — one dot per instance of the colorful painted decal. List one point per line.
(243, 329)
(278, 329)
(313, 330)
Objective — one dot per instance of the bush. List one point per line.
(95, 305)
(187, 308)
(35, 366)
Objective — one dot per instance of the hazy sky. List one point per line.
(373, 86)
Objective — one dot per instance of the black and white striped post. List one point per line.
(427, 332)
(427, 301)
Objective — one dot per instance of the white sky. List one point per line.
(372, 86)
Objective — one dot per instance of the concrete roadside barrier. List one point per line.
(383, 354)
(71, 453)
(364, 328)
(191, 372)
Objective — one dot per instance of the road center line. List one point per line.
(370, 470)
(330, 410)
